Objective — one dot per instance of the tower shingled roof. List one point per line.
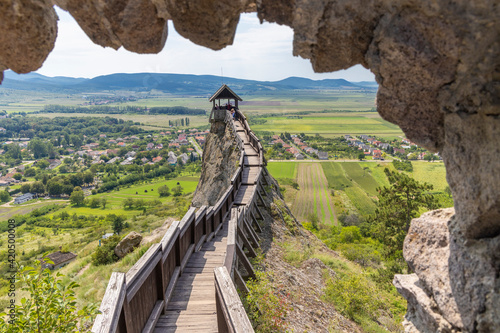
(224, 92)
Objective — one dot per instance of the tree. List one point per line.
(25, 188)
(37, 187)
(13, 151)
(88, 177)
(177, 190)
(104, 201)
(38, 147)
(397, 206)
(30, 172)
(361, 156)
(17, 176)
(94, 202)
(118, 225)
(42, 164)
(50, 305)
(4, 196)
(129, 202)
(54, 187)
(163, 191)
(77, 197)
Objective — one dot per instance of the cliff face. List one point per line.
(220, 161)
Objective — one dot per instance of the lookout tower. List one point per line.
(218, 108)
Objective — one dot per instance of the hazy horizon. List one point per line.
(261, 52)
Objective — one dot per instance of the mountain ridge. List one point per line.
(171, 83)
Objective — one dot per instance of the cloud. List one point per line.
(260, 52)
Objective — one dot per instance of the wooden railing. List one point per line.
(231, 315)
(134, 301)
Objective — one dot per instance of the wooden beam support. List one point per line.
(252, 236)
(246, 243)
(240, 283)
(153, 318)
(256, 223)
(244, 260)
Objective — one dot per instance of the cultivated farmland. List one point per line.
(330, 125)
(314, 196)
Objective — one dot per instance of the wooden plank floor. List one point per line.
(192, 306)
(244, 195)
(251, 160)
(249, 175)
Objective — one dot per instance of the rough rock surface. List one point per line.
(220, 160)
(431, 302)
(127, 244)
(28, 31)
(437, 63)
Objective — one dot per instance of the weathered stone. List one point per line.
(421, 316)
(132, 23)
(28, 31)
(220, 161)
(127, 244)
(427, 251)
(210, 23)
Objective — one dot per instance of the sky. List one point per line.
(260, 52)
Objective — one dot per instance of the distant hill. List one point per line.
(178, 84)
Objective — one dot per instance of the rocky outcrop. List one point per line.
(437, 64)
(220, 160)
(431, 304)
(127, 244)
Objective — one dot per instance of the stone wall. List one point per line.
(437, 63)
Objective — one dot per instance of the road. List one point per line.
(196, 146)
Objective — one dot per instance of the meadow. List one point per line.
(330, 125)
(433, 173)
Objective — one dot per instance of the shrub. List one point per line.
(51, 306)
(349, 235)
(362, 254)
(105, 254)
(352, 295)
(163, 191)
(266, 306)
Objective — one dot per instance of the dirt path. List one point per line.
(80, 272)
(11, 205)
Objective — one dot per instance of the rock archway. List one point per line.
(437, 63)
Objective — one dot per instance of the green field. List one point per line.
(433, 173)
(283, 170)
(115, 198)
(361, 176)
(330, 126)
(335, 176)
(361, 201)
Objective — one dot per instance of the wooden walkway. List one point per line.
(192, 307)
